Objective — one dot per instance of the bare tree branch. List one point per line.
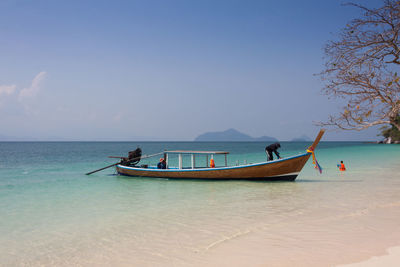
(362, 67)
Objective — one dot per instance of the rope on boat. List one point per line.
(149, 156)
(315, 162)
(142, 157)
(152, 155)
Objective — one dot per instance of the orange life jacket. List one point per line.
(212, 163)
(342, 167)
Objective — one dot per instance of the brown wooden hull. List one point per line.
(283, 169)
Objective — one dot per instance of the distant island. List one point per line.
(232, 135)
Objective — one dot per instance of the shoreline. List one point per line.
(391, 258)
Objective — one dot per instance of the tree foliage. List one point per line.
(362, 67)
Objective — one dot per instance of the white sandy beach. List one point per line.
(391, 259)
(307, 246)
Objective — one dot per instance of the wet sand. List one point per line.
(334, 241)
(391, 259)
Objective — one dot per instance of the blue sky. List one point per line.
(166, 70)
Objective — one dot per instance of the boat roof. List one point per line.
(195, 152)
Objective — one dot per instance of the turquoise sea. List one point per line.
(52, 214)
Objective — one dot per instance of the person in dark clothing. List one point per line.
(162, 164)
(272, 148)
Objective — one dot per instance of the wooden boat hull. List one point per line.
(279, 170)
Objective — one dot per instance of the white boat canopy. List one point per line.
(193, 153)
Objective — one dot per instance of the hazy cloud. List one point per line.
(35, 87)
(7, 89)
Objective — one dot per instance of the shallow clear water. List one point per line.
(53, 214)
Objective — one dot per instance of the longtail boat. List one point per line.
(285, 169)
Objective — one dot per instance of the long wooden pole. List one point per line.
(109, 166)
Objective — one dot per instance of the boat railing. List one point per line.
(193, 154)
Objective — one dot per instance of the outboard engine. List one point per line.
(134, 156)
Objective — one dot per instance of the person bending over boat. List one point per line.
(162, 164)
(272, 148)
